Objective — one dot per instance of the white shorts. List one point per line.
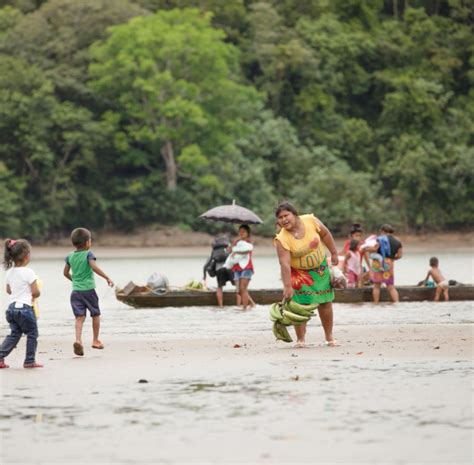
(443, 284)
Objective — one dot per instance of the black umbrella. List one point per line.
(232, 214)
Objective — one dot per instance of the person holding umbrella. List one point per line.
(304, 269)
(243, 269)
(240, 260)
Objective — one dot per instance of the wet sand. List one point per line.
(394, 393)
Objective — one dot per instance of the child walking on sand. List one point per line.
(442, 285)
(22, 286)
(82, 263)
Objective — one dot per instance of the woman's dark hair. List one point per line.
(353, 245)
(246, 227)
(15, 252)
(387, 228)
(80, 236)
(285, 205)
(355, 228)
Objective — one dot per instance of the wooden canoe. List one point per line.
(143, 298)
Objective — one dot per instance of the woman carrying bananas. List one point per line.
(304, 269)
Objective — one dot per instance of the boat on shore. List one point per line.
(143, 297)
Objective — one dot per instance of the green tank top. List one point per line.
(82, 273)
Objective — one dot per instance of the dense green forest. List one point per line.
(124, 113)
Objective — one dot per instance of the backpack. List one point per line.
(218, 256)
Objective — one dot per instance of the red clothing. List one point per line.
(249, 265)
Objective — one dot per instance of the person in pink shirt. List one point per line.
(353, 264)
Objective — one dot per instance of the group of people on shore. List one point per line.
(378, 253)
(370, 261)
(300, 243)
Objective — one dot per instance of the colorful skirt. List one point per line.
(312, 286)
(382, 271)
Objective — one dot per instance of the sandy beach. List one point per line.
(395, 393)
(217, 389)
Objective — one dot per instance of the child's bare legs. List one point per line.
(95, 330)
(79, 324)
(244, 283)
(437, 294)
(446, 295)
(239, 300)
(376, 293)
(392, 290)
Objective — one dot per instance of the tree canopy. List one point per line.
(133, 112)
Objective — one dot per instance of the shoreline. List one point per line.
(176, 247)
(174, 238)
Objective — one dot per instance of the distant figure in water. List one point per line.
(352, 265)
(442, 284)
(383, 254)
(355, 233)
(214, 266)
(243, 268)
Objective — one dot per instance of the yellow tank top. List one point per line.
(303, 256)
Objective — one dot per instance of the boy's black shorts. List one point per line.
(223, 275)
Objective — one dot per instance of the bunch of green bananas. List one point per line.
(280, 332)
(194, 285)
(288, 314)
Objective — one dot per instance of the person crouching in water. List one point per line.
(22, 286)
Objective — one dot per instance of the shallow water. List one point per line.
(56, 315)
(295, 408)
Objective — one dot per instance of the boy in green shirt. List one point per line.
(82, 263)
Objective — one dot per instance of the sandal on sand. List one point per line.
(3, 364)
(32, 365)
(100, 346)
(332, 343)
(78, 349)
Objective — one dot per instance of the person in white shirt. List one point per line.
(22, 287)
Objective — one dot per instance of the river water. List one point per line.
(210, 403)
(56, 315)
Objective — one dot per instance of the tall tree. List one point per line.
(173, 83)
(49, 147)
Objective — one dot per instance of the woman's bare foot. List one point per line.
(3, 364)
(300, 344)
(332, 343)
